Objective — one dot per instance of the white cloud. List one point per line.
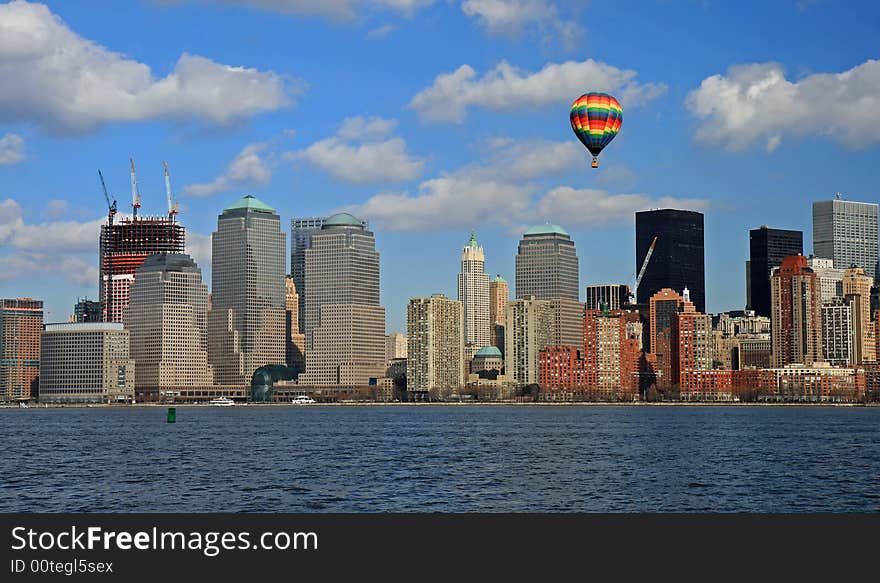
(506, 88)
(359, 154)
(335, 10)
(66, 84)
(11, 149)
(245, 170)
(198, 246)
(381, 31)
(502, 192)
(511, 17)
(757, 103)
(53, 247)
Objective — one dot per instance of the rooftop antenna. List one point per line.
(172, 209)
(135, 195)
(838, 196)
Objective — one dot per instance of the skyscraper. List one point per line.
(473, 293)
(663, 308)
(837, 332)
(167, 317)
(435, 345)
(796, 313)
(21, 322)
(692, 342)
(499, 295)
(830, 278)
(678, 258)
(246, 321)
(86, 310)
(546, 264)
(612, 295)
(529, 330)
(857, 291)
(846, 231)
(345, 324)
(767, 248)
(123, 248)
(301, 231)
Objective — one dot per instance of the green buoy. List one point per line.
(172, 414)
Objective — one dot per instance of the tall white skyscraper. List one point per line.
(846, 231)
(473, 293)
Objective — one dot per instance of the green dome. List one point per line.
(342, 220)
(250, 203)
(499, 279)
(489, 352)
(546, 229)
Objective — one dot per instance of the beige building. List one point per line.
(395, 346)
(348, 347)
(435, 338)
(568, 322)
(830, 277)
(295, 340)
(857, 290)
(246, 323)
(86, 363)
(473, 293)
(499, 295)
(529, 329)
(167, 319)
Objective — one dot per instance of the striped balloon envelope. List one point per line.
(596, 118)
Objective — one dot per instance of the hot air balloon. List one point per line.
(596, 118)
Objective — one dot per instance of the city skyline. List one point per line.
(675, 150)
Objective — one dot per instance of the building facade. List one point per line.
(529, 330)
(663, 308)
(345, 323)
(395, 346)
(830, 278)
(473, 293)
(767, 248)
(691, 342)
(499, 295)
(295, 341)
(547, 264)
(837, 332)
(167, 318)
(678, 258)
(796, 313)
(86, 363)
(435, 345)
(857, 291)
(613, 296)
(21, 323)
(246, 323)
(846, 232)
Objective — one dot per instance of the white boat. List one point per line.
(302, 400)
(221, 402)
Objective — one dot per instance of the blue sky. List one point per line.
(430, 118)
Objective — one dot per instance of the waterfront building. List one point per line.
(691, 342)
(86, 310)
(846, 232)
(435, 346)
(395, 346)
(86, 363)
(767, 248)
(546, 264)
(706, 385)
(499, 295)
(301, 231)
(295, 341)
(837, 332)
(613, 296)
(246, 323)
(345, 323)
(678, 258)
(819, 382)
(21, 322)
(167, 320)
(830, 278)
(755, 351)
(663, 307)
(611, 354)
(473, 293)
(857, 291)
(486, 379)
(528, 331)
(123, 248)
(796, 313)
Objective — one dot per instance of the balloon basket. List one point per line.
(595, 163)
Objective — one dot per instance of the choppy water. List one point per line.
(446, 459)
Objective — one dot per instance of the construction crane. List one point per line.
(135, 195)
(107, 263)
(172, 209)
(644, 267)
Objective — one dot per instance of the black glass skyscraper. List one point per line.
(677, 261)
(767, 248)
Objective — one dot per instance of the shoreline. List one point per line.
(436, 404)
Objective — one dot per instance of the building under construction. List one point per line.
(127, 243)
